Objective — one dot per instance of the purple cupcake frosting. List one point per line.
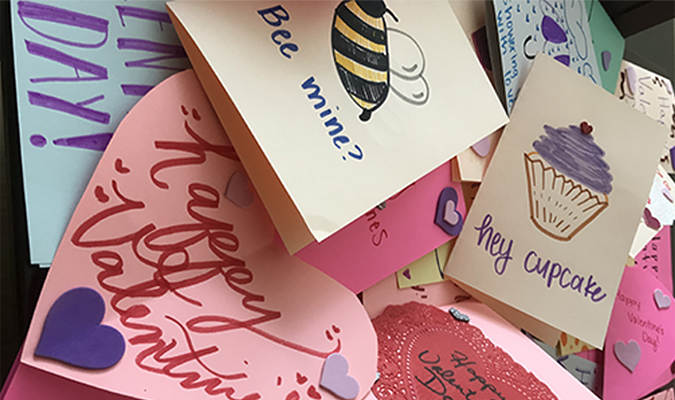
(575, 155)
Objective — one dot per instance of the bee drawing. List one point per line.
(360, 46)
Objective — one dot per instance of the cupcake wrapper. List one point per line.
(559, 207)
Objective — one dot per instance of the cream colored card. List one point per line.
(652, 95)
(327, 123)
(558, 208)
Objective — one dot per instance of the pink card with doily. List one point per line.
(641, 336)
(557, 211)
(428, 353)
(168, 283)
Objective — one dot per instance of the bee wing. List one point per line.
(406, 65)
(406, 58)
(415, 92)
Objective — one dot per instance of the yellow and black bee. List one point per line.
(359, 39)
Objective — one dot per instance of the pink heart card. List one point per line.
(428, 353)
(394, 234)
(168, 283)
(640, 341)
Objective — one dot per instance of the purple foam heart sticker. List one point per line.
(482, 147)
(334, 377)
(628, 354)
(606, 59)
(631, 78)
(406, 273)
(73, 334)
(662, 300)
(446, 212)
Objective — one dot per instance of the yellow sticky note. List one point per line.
(569, 345)
(427, 269)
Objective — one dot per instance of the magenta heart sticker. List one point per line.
(334, 377)
(628, 354)
(73, 333)
(650, 220)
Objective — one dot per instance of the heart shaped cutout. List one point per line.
(631, 78)
(406, 273)
(628, 354)
(662, 300)
(73, 333)
(334, 377)
(451, 216)
(458, 315)
(482, 147)
(448, 217)
(650, 220)
(237, 190)
(606, 59)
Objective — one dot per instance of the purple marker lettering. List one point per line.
(171, 51)
(135, 90)
(28, 10)
(97, 141)
(54, 103)
(36, 49)
(143, 13)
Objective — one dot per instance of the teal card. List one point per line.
(79, 67)
(607, 42)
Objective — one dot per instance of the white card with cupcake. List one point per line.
(554, 219)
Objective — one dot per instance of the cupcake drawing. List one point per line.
(568, 180)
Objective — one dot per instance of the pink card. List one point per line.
(167, 283)
(428, 353)
(388, 238)
(640, 341)
(656, 256)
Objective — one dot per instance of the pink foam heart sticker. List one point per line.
(628, 354)
(334, 377)
(237, 190)
(662, 300)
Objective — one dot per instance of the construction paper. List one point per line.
(652, 95)
(206, 302)
(79, 67)
(607, 42)
(569, 345)
(425, 353)
(519, 232)
(668, 394)
(387, 238)
(425, 270)
(659, 211)
(556, 28)
(640, 337)
(384, 293)
(269, 67)
(655, 258)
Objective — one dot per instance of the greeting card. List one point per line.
(465, 351)
(335, 106)
(168, 282)
(652, 95)
(79, 67)
(656, 258)
(640, 338)
(522, 29)
(559, 205)
(427, 269)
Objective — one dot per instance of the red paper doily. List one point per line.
(425, 354)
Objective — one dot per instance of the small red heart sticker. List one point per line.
(586, 128)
